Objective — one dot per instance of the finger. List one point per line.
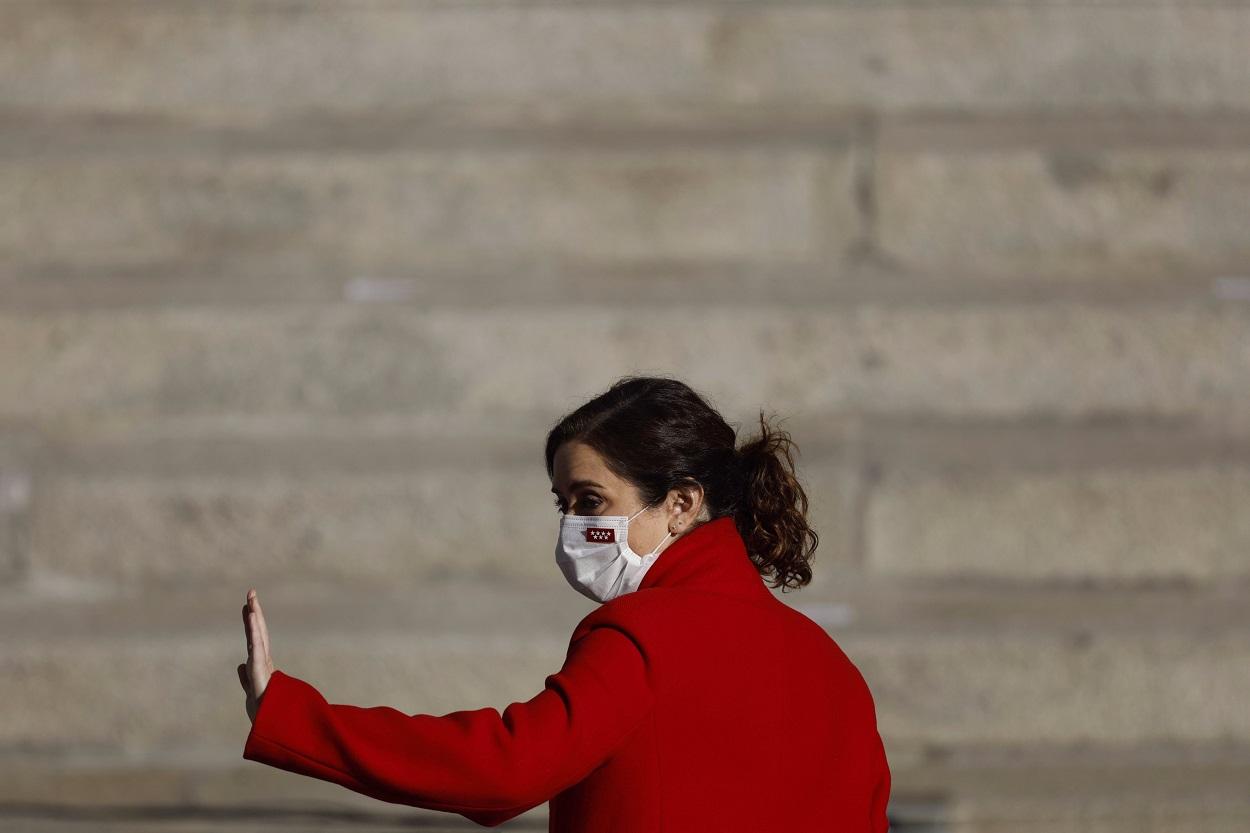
(256, 657)
(262, 628)
(254, 645)
(247, 630)
(257, 663)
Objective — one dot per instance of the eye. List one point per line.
(590, 501)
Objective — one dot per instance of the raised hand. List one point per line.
(254, 674)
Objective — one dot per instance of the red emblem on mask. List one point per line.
(601, 535)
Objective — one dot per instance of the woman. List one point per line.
(691, 699)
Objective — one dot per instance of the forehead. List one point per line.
(575, 461)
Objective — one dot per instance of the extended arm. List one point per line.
(482, 764)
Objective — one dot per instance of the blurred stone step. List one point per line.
(1182, 789)
(155, 499)
(152, 674)
(248, 62)
(1088, 788)
(1064, 212)
(403, 209)
(1061, 360)
(1078, 212)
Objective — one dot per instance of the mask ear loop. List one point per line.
(639, 512)
(662, 540)
(657, 546)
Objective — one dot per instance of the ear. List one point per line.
(685, 502)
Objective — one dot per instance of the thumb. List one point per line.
(243, 680)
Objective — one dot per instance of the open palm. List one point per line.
(254, 674)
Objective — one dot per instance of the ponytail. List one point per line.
(772, 512)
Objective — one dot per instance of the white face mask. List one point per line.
(594, 555)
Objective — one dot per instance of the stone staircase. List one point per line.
(290, 293)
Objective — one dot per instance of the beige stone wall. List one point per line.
(290, 293)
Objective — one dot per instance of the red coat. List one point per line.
(698, 702)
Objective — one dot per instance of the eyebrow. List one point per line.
(575, 485)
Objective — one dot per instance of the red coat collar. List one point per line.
(711, 557)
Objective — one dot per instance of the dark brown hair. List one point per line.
(657, 433)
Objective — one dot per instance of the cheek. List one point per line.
(643, 538)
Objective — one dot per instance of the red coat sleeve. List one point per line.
(486, 766)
